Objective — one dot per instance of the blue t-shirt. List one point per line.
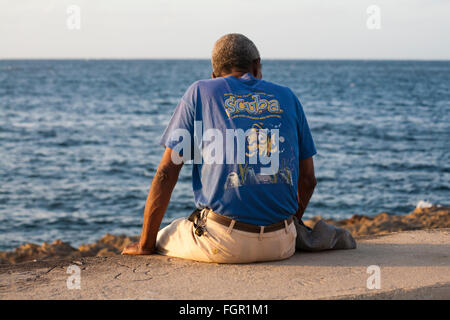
(237, 186)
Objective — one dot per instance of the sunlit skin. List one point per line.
(166, 178)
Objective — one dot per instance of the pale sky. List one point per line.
(301, 29)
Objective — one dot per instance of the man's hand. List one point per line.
(135, 249)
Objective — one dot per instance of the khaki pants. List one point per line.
(222, 244)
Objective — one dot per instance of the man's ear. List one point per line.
(256, 68)
(213, 75)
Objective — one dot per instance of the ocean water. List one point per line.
(79, 140)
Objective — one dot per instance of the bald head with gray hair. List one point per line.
(233, 51)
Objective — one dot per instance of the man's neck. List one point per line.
(236, 74)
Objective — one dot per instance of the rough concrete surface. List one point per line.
(413, 265)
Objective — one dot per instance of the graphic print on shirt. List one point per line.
(261, 142)
(252, 106)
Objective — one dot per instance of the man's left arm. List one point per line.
(158, 199)
(306, 184)
(307, 179)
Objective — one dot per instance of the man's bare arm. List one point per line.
(158, 199)
(306, 184)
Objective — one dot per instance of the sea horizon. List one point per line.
(209, 59)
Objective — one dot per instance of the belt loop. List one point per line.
(286, 226)
(261, 231)
(230, 227)
(204, 213)
(201, 217)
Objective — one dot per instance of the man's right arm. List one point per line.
(157, 202)
(306, 184)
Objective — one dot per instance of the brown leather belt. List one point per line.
(225, 221)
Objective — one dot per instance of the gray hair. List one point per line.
(233, 50)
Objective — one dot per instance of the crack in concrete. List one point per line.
(143, 279)
(50, 269)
